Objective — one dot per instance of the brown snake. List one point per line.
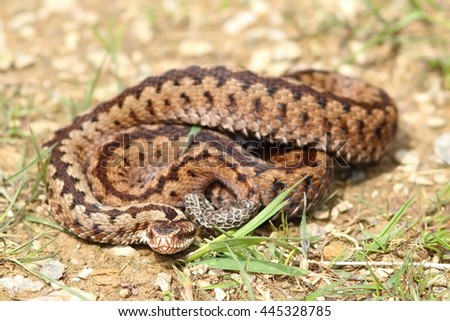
(119, 173)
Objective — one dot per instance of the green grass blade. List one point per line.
(381, 240)
(243, 272)
(43, 221)
(255, 266)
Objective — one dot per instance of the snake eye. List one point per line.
(169, 237)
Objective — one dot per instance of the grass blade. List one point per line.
(255, 266)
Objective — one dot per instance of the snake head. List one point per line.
(169, 237)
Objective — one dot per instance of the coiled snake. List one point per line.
(120, 173)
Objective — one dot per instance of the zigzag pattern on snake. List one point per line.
(120, 173)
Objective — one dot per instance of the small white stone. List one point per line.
(349, 8)
(9, 213)
(142, 31)
(6, 60)
(195, 48)
(27, 32)
(435, 122)
(219, 294)
(85, 273)
(260, 7)
(420, 180)
(286, 50)
(163, 281)
(442, 148)
(407, 157)
(21, 20)
(398, 187)
(422, 97)
(199, 269)
(124, 293)
(383, 273)
(122, 250)
(19, 284)
(441, 179)
(57, 6)
(321, 215)
(375, 194)
(239, 22)
(71, 40)
(203, 283)
(52, 268)
(23, 61)
(315, 230)
(342, 207)
(260, 59)
(3, 41)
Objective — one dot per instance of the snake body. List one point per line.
(260, 135)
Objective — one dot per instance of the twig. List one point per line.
(439, 266)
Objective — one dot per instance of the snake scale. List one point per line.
(122, 172)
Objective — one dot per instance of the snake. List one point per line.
(134, 169)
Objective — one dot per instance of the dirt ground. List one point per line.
(51, 52)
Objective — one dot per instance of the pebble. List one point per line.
(315, 230)
(407, 157)
(239, 22)
(436, 122)
(260, 59)
(203, 283)
(71, 40)
(442, 148)
(85, 273)
(124, 293)
(195, 48)
(56, 6)
(423, 97)
(398, 187)
(372, 220)
(342, 207)
(288, 50)
(163, 281)
(420, 180)
(122, 250)
(19, 284)
(23, 61)
(21, 20)
(321, 215)
(199, 269)
(219, 294)
(383, 273)
(441, 179)
(264, 33)
(142, 31)
(52, 268)
(6, 60)
(2, 35)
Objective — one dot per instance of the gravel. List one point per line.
(19, 284)
(442, 148)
